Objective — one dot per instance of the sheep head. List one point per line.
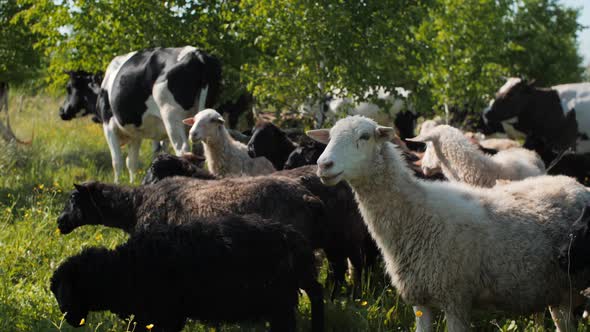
(205, 125)
(80, 209)
(352, 145)
(63, 287)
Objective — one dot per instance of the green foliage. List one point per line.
(543, 42)
(462, 42)
(19, 61)
(449, 52)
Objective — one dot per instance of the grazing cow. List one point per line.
(552, 119)
(146, 94)
(81, 98)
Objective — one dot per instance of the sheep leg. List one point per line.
(133, 158)
(283, 321)
(457, 321)
(314, 291)
(356, 261)
(338, 265)
(539, 320)
(563, 318)
(424, 319)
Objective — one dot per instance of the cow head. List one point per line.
(80, 99)
(510, 103)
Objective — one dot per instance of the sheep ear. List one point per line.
(422, 138)
(189, 121)
(384, 133)
(80, 188)
(219, 120)
(319, 135)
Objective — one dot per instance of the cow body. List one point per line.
(551, 119)
(383, 106)
(146, 94)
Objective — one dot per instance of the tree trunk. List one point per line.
(5, 131)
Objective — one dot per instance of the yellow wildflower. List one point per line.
(419, 313)
(364, 303)
(57, 231)
(98, 237)
(149, 327)
(41, 186)
(82, 321)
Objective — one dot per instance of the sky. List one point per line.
(584, 19)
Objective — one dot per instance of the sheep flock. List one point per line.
(453, 221)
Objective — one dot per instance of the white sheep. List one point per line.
(453, 246)
(499, 144)
(461, 161)
(224, 155)
(430, 164)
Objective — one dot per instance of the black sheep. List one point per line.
(305, 154)
(347, 235)
(179, 200)
(227, 269)
(341, 233)
(271, 142)
(166, 165)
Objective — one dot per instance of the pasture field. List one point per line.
(34, 182)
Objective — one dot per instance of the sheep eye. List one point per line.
(365, 137)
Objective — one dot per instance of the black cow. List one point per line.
(146, 95)
(552, 119)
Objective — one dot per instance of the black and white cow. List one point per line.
(80, 99)
(385, 107)
(551, 119)
(146, 95)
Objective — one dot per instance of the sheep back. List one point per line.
(225, 269)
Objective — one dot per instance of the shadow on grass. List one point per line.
(101, 159)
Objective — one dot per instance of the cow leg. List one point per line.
(133, 158)
(115, 148)
(172, 115)
(172, 118)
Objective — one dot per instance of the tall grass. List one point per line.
(34, 181)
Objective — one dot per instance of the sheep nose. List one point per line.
(325, 165)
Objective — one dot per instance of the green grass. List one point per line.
(34, 181)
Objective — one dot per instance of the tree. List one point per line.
(305, 48)
(19, 61)
(542, 34)
(449, 52)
